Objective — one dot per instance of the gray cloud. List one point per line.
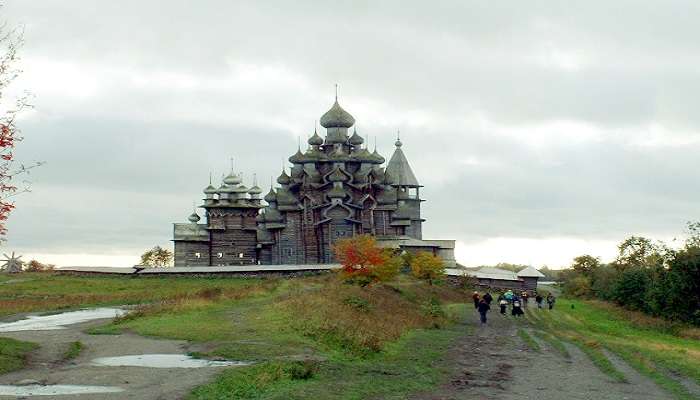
(534, 120)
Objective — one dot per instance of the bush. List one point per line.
(427, 266)
(157, 257)
(631, 288)
(36, 266)
(363, 262)
(579, 286)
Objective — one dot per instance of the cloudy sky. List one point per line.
(541, 130)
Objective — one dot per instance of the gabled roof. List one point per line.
(399, 169)
(530, 272)
(495, 273)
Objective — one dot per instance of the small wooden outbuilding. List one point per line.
(497, 278)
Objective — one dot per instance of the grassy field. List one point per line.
(660, 350)
(13, 353)
(30, 292)
(312, 337)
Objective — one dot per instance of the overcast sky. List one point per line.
(541, 130)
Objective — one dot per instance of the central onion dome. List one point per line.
(336, 117)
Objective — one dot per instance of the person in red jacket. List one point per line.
(475, 297)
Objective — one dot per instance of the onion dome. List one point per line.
(240, 189)
(283, 179)
(284, 197)
(232, 179)
(271, 196)
(312, 154)
(315, 140)
(336, 117)
(377, 157)
(255, 190)
(298, 157)
(209, 189)
(363, 155)
(337, 176)
(355, 139)
(193, 218)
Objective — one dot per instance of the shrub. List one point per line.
(157, 257)
(427, 266)
(363, 262)
(358, 303)
(36, 266)
(579, 286)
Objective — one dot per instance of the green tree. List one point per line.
(586, 264)
(157, 257)
(427, 266)
(637, 251)
(693, 231)
(683, 287)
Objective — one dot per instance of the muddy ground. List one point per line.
(494, 363)
(46, 365)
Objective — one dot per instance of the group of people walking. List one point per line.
(516, 302)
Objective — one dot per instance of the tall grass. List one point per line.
(13, 354)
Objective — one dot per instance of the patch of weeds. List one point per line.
(108, 329)
(252, 382)
(433, 308)
(73, 351)
(13, 354)
(529, 341)
(358, 303)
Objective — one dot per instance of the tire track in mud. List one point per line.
(491, 362)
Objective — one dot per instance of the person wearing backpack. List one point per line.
(483, 308)
(517, 310)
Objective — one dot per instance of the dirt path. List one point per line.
(46, 365)
(494, 363)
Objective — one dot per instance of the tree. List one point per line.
(36, 266)
(693, 230)
(157, 257)
(363, 262)
(10, 42)
(637, 251)
(586, 264)
(427, 266)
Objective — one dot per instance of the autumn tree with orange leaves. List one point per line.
(363, 262)
(10, 42)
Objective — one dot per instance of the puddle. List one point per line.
(163, 361)
(59, 321)
(55, 390)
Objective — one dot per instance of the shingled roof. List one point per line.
(399, 170)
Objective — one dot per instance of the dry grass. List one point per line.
(362, 320)
(199, 300)
(50, 291)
